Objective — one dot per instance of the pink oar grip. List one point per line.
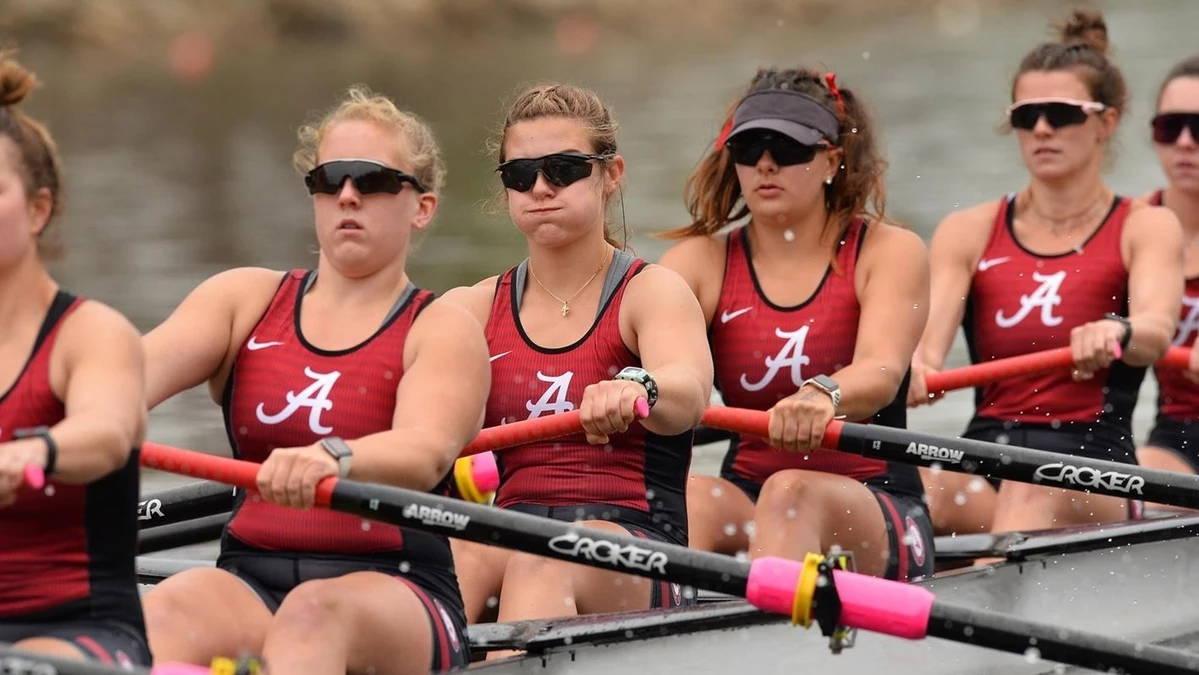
(34, 476)
(484, 472)
(883, 606)
(641, 408)
(771, 584)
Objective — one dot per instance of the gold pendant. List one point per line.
(565, 308)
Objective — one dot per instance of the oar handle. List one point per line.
(757, 423)
(235, 472)
(537, 429)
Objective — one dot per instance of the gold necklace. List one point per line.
(566, 303)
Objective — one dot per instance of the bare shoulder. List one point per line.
(658, 283)
(96, 326)
(972, 221)
(476, 299)
(696, 251)
(1148, 223)
(892, 241)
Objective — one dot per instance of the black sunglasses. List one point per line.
(747, 148)
(1167, 127)
(560, 169)
(370, 177)
(1058, 114)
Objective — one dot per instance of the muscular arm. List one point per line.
(700, 262)
(104, 395)
(671, 337)
(1155, 282)
(953, 255)
(190, 347)
(440, 402)
(894, 308)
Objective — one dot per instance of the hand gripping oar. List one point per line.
(1008, 462)
(838, 599)
(476, 473)
(979, 374)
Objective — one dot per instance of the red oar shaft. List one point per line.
(980, 374)
(536, 429)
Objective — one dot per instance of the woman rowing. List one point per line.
(1174, 441)
(813, 307)
(582, 324)
(328, 372)
(72, 407)
(1062, 263)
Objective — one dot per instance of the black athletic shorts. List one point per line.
(664, 594)
(911, 553)
(1179, 437)
(100, 640)
(273, 575)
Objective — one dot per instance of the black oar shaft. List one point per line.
(724, 574)
(1058, 644)
(21, 662)
(183, 503)
(543, 537)
(1024, 465)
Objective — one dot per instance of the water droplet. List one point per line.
(567, 640)
(789, 234)
(976, 484)
(49, 491)
(730, 529)
(688, 592)
(243, 431)
(366, 525)
(388, 375)
(866, 56)
(362, 390)
(649, 494)
(716, 491)
(1032, 655)
(493, 602)
(405, 566)
(935, 469)
(968, 631)
(960, 498)
(853, 130)
(791, 513)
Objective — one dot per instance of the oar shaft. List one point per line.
(1024, 465)
(183, 503)
(1056, 643)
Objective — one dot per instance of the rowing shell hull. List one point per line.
(1144, 592)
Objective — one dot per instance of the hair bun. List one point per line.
(1085, 27)
(15, 82)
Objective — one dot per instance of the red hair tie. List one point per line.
(830, 79)
(724, 133)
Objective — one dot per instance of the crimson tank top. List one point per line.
(66, 551)
(1022, 302)
(283, 393)
(636, 470)
(763, 353)
(1178, 397)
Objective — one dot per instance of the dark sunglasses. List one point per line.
(747, 148)
(560, 169)
(1167, 127)
(1058, 113)
(369, 178)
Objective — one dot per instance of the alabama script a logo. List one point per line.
(1189, 326)
(1046, 297)
(553, 401)
(315, 397)
(790, 356)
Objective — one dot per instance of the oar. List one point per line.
(838, 599)
(1008, 462)
(183, 503)
(980, 374)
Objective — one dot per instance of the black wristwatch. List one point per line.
(642, 377)
(51, 447)
(1127, 328)
(339, 450)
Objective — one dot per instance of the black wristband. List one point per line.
(51, 447)
(1127, 328)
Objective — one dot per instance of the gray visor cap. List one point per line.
(799, 116)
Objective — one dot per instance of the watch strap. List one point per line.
(339, 450)
(51, 446)
(1124, 341)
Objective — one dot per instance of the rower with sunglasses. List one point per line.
(72, 413)
(1173, 443)
(328, 372)
(814, 307)
(581, 324)
(1062, 263)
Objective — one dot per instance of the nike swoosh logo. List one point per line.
(500, 355)
(984, 265)
(726, 317)
(253, 345)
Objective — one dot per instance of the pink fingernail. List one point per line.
(34, 476)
